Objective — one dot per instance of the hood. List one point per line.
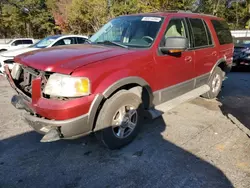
(3, 46)
(14, 53)
(65, 59)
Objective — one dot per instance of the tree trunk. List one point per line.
(237, 16)
(216, 7)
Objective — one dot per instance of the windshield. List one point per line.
(242, 41)
(45, 42)
(130, 31)
(9, 42)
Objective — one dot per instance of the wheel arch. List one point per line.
(222, 63)
(133, 84)
(136, 85)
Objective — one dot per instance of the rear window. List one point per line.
(222, 31)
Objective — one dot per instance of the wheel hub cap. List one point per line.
(216, 83)
(124, 121)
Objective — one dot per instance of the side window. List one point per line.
(17, 43)
(65, 41)
(80, 40)
(199, 32)
(209, 36)
(27, 42)
(176, 28)
(222, 31)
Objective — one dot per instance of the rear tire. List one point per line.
(120, 117)
(215, 83)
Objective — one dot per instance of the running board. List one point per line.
(164, 107)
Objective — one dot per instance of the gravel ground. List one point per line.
(196, 144)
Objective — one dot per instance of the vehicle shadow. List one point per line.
(235, 97)
(149, 161)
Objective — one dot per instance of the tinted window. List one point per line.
(222, 31)
(65, 41)
(176, 28)
(209, 36)
(17, 42)
(27, 42)
(199, 32)
(80, 40)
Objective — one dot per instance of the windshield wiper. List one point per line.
(114, 43)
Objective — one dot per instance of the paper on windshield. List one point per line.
(151, 19)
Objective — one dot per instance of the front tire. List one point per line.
(215, 83)
(3, 50)
(120, 117)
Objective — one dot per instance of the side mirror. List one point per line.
(174, 45)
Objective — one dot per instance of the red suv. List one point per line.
(132, 65)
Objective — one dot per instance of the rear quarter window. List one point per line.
(222, 31)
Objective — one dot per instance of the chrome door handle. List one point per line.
(188, 59)
(214, 53)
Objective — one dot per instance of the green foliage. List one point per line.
(45, 17)
(25, 18)
(85, 15)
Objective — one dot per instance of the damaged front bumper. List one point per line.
(68, 128)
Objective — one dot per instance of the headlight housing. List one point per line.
(67, 86)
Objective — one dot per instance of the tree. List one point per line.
(39, 18)
(85, 15)
(60, 13)
(26, 18)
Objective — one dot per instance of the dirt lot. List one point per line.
(198, 144)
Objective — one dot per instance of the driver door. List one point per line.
(16, 44)
(175, 72)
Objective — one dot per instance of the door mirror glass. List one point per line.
(174, 45)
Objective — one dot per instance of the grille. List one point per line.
(24, 79)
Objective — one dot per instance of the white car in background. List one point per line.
(17, 44)
(7, 57)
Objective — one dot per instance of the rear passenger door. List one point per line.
(16, 44)
(204, 48)
(27, 42)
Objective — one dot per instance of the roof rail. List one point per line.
(173, 11)
(187, 11)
